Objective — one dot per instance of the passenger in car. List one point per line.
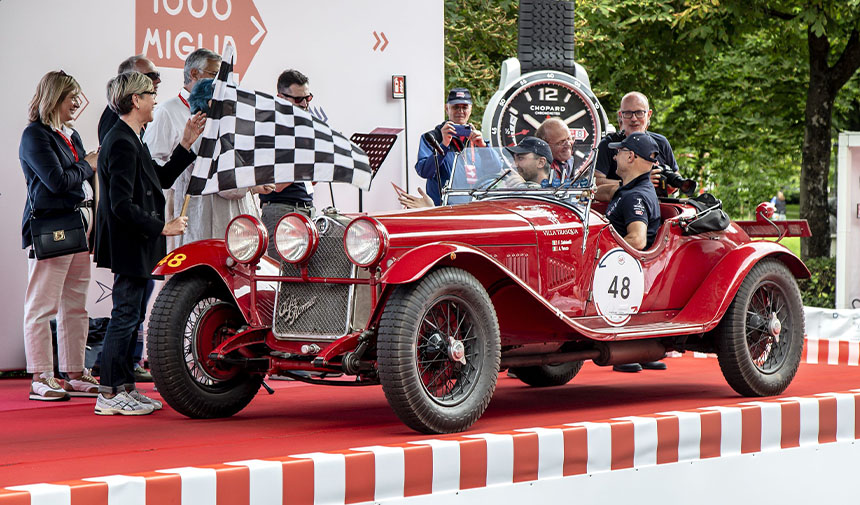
(533, 161)
(634, 115)
(634, 211)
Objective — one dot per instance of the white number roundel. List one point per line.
(618, 286)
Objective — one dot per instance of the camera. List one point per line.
(462, 132)
(686, 186)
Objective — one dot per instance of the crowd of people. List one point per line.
(130, 195)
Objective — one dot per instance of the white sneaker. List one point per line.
(122, 404)
(86, 385)
(47, 389)
(145, 400)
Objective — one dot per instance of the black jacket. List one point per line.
(54, 178)
(130, 215)
(106, 122)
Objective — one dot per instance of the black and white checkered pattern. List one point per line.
(253, 138)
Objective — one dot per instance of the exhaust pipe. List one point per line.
(549, 359)
(604, 354)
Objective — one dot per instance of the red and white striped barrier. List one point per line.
(816, 351)
(460, 468)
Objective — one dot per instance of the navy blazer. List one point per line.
(130, 214)
(54, 178)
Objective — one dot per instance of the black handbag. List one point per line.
(58, 233)
(709, 216)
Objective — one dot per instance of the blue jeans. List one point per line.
(129, 310)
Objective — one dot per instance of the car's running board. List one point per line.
(648, 330)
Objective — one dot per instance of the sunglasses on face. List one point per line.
(299, 99)
(153, 76)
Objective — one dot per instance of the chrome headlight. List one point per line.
(246, 239)
(296, 238)
(365, 241)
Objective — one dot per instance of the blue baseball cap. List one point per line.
(532, 145)
(640, 143)
(459, 95)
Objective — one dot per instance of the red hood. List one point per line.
(478, 223)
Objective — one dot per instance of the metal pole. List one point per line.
(406, 131)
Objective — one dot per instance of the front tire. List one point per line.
(760, 338)
(548, 375)
(190, 318)
(439, 351)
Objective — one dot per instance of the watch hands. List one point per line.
(575, 117)
(532, 121)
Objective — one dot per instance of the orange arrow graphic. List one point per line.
(167, 34)
(385, 43)
(377, 40)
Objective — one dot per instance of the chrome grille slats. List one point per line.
(316, 310)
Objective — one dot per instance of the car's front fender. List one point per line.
(711, 300)
(212, 256)
(414, 264)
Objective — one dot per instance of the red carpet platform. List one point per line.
(313, 445)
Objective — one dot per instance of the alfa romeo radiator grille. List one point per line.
(305, 309)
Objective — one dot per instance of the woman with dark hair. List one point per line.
(130, 231)
(59, 177)
(211, 214)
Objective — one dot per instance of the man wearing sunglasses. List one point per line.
(634, 116)
(141, 64)
(294, 87)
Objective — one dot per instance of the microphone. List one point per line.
(431, 140)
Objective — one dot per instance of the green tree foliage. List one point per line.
(479, 35)
(732, 83)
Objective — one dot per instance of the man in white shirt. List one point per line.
(163, 134)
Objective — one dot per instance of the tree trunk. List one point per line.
(815, 165)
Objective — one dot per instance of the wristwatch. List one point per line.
(544, 81)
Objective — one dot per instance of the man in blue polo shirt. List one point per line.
(634, 211)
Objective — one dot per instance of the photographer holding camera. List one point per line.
(634, 116)
(438, 146)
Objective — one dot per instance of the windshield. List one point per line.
(490, 171)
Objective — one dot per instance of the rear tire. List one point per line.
(548, 375)
(191, 316)
(424, 328)
(760, 338)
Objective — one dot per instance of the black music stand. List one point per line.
(377, 146)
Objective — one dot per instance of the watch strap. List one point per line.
(546, 35)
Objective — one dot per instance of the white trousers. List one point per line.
(57, 288)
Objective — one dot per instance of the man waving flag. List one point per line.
(253, 138)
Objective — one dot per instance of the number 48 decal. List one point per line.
(618, 286)
(173, 262)
(625, 287)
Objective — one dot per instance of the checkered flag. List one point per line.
(252, 138)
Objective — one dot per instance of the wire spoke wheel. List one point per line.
(209, 324)
(445, 379)
(760, 338)
(767, 321)
(191, 317)
(438, 351)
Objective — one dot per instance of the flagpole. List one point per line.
(185, 205)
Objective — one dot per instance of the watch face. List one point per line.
(541, 95)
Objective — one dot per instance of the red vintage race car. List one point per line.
(433, 303)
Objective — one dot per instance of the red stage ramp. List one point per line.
(607, 436)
